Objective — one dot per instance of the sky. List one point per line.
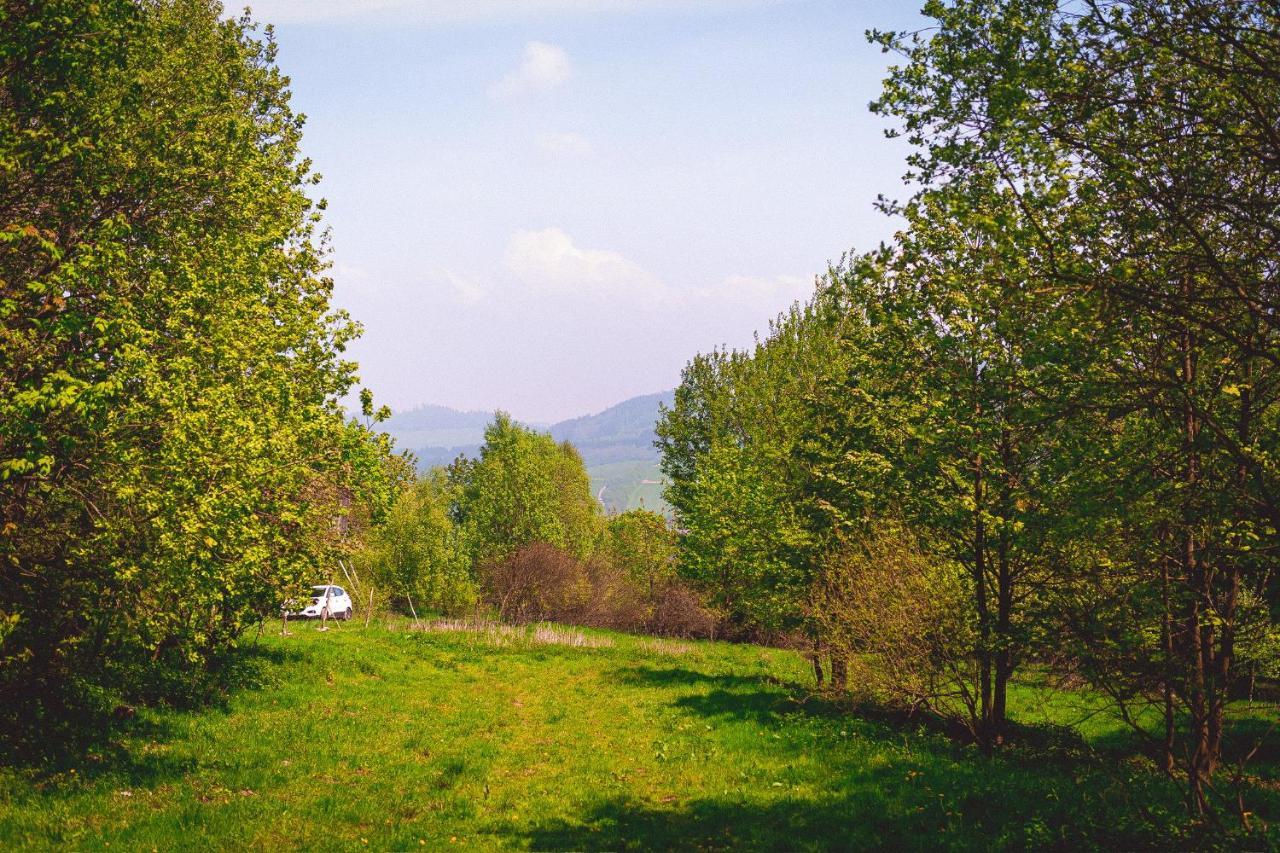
(550, 206)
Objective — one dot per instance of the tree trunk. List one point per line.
(839, 672)
(1003, 653)
(983, 651)
(1166, 675)
(1197, 632)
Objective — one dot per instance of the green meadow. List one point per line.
(559, 738)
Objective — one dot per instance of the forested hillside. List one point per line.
(436, 434)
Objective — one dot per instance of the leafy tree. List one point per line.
(642, 543)
(730, 450)
(419, 553)
(1150, 122)
(169, 362)
(524, 488)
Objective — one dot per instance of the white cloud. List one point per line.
(565, 144)
(779, 290)
(545, 66)
(468, 289)
(445, 12)
(548, 260)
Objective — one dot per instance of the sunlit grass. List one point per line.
(556, 737)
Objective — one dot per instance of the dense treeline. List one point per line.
(516, 533)
(172, 454)
(1039, 429)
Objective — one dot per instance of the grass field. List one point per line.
(561, 739)
(629, 485)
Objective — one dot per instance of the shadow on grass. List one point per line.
(766, 700)
(904, 805)
(1046, 789)
(845, 824)
(49, 736)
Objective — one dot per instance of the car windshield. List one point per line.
(318, 591)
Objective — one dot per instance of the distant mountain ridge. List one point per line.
(627, 426)
(430, 417)
(616, 444)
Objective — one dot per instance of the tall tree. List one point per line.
(1147, 119)
(524, 488)
(169, 362)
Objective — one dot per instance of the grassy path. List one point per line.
(438, 740)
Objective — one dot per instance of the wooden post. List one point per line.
(324, 611)
(368, 613)
(353, 584)
(411, 610)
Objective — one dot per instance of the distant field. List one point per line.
(625, 487)
(405, 741)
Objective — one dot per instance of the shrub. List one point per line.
(678, 612)
(538, 581)
(642, 544)
(417, 553)
(616, 600)
(541, 582)
(896, 613)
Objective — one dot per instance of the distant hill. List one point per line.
(437, 428)
(616, 445)
(620, 433)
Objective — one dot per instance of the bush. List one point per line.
(642, 544)
(417, 553)
(897, 615)
(616, 600)
(678, 612)
(541, 582)
(537, 582)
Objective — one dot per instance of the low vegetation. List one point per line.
(571, 739)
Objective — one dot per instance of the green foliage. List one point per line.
(172, 455)
(524, 488)
(1117, 158)
(1061, 375)
(644, 545)
(730, 445)
(418, 553)
(901, 617)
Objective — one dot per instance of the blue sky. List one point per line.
(549, 206)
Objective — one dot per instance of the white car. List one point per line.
(326, 601)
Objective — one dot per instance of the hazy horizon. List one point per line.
(521, 418)
(550, 208)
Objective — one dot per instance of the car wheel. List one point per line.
(347, 616)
